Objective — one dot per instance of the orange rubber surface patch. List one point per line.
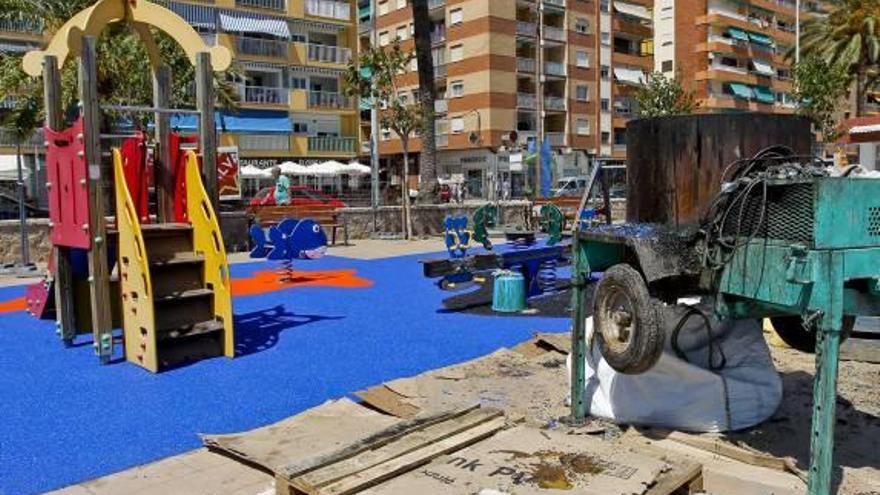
(17, 304)
(272, 280)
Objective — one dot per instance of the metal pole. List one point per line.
(207, 129)
(374, 131)
(797, 31)
(539, 88)
(22, 214)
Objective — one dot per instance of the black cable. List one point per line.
(712, 345)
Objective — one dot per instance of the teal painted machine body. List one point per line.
(806, 246)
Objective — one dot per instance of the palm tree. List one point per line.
(428, 186)
(849, 35)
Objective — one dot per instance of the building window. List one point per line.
(582, 92)
(666, 66)
(300, 128)
(455, 17)
(456, 53)
(402, 33)
(383, 38)
(604, 104)
(403, 97)
(604, 72)
(583, 58)
(606, 137)
(456, 125)
(457, 89)
(382, 8)
(604, 5)
(606, 38)
(582, 25)
(297, 38)
(297, 82)
(414, 65)
(583, 127)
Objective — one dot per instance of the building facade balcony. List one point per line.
(440, 71)
(526, 100)
(327, 54)
(554, 33)
(332, 144)
(529, 29)
(20, 24)
(260, 47)
(526, 65)
(264, 142)
(262, 95)
(554, 69)
(436, 4)
(441, 106)
(278, 5)
(555, 3)
(330, 101)
(441, 140)
(330, 9)
(556, 139)
(555, 103)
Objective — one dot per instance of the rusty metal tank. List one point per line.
(674, 164)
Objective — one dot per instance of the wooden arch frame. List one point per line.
(140, 14)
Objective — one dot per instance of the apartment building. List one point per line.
(511, 71)
(731, 53)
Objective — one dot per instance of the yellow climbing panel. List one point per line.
(138, 317)
(208, 241)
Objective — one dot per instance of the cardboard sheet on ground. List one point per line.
(521, 386)
(526, 460)
(309, 435)
(686, 394)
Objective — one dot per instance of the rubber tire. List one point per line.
(647, 340)
(791, 330)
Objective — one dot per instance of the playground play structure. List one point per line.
(785, 238)
(164, 276)
(534, 259)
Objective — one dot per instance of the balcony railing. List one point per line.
(263, 4)
(554, 68)
(625, 107)
(264, 142)
(261, 47)
(365, 26)
(554, 33)
(441, 106)
(525, 64)
(331, 144)
(329, 54)
(329, 8)
(264, 95)
(526, 28)
(327, 99)
(440, 71)
(555, 138)
(436, 4)
(441, 140)
(437, 38)
(554, 103)
(525, 100)
(555, 3)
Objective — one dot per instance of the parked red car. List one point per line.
(299, 196)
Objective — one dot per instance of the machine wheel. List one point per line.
(792, 331)
(626, 322)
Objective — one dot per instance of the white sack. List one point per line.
(686, 395)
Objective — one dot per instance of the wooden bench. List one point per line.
(326, 215)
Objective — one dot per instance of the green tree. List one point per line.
(819, 88)
(663, 96)
(847, 36)
(374, 79)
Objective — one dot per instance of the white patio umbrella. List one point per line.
(293, 168)
(252, 172)
(355, 168)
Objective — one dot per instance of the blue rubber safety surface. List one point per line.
(64, 418)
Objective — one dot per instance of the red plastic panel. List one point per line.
(68, 187)
(134, 164)
(178, 159)
(39, 298)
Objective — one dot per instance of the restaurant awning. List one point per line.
(632, 9)
(741, 91)
(763, 68)
(764, 95)
(242, 122)
(238, 22)
(631, 76)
